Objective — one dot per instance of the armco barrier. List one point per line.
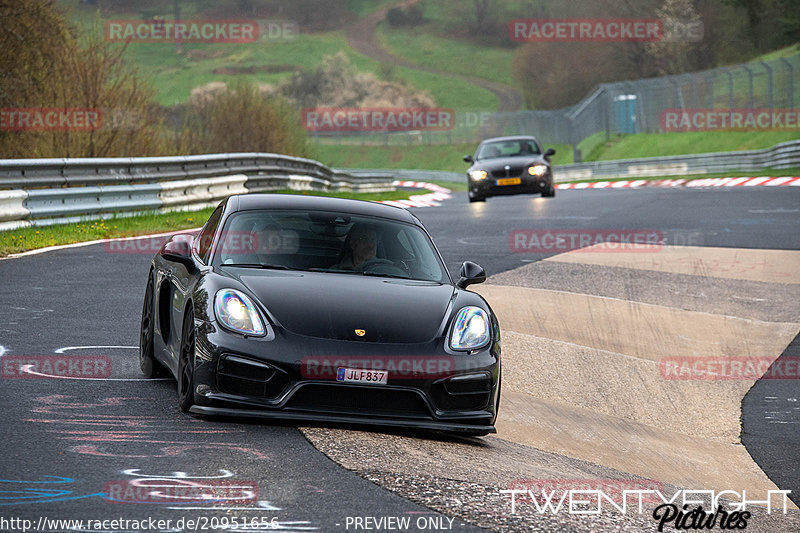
(52, 191)
(784, 155)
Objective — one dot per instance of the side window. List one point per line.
(207, 235)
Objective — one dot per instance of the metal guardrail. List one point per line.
(51, 191)
(409, 175)
(784, 155)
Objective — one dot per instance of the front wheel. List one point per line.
(550, 192)
(476, 199)
(147, 360)
(186, 363)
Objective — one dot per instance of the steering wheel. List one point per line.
(381, 266)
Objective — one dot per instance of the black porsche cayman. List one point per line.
(321, 309)
(509, 165)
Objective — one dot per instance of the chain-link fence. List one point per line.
(621, 107)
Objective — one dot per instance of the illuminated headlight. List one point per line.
(470, 329)
(237, 312)
(537, 170)
(477, 174)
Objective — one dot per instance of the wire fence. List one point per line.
(616, 108)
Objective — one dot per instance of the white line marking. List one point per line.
(69, 348)
(27, 369)
(2, 350)
(177, 475)
(89, 243)
(260, 506)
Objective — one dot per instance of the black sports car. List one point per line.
(321, 309)
(509, 165)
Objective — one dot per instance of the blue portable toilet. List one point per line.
(625, 113)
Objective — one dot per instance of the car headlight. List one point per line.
(470, 329)
(537, 170)
(477, 174)
(237, 312)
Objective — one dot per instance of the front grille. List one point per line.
(466, 393)
(359, 400)
(243, 377)
(513, 172)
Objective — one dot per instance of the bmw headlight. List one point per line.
(237, 312)
(470, 329)
(537, 170)
(477, 174)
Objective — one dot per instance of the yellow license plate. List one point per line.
(509, 181)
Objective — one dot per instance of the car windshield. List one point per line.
(512, 148)
(339, 243)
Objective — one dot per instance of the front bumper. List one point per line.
(528, 185)
(450, 427)
(292, 377)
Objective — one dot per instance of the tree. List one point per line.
(242, 119)
(675, 53)
(753, 10)
(46, 65)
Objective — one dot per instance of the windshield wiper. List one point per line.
(377, 275)
(257, 265)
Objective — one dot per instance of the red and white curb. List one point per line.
(708, 182)
(432, 199)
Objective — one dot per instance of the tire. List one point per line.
(549, 193)
(186, 362)
(476, 199)
(147, 361)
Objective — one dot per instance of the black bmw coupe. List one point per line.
(509, 165)
(321, 309)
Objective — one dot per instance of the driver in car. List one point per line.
(361, 245)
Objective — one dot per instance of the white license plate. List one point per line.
(357, 375)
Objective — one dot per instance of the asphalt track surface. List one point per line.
(64, 440)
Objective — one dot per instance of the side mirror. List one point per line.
(549, 152)
(179, 249)
(471, 273)
(468, 159)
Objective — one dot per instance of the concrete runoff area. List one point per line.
(584, 396)
(772, 266)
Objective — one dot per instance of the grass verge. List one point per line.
(415, 157)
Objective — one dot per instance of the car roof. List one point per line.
(510, 138)
(320, 203)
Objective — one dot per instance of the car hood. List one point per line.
(514, 162)
(334, 306)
